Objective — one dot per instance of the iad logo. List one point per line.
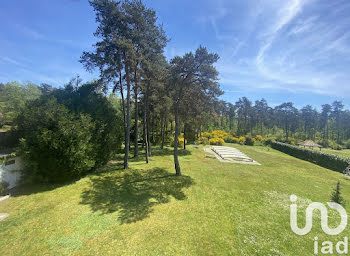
(341, 247)
(324, 217)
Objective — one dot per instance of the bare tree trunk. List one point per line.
(163, 129)
(127, 133)
(145, 139)
(148, 121)
(124, 115)
(184, 135)
(136, 149)
(152, 126)
(123, 102)
(176, 141)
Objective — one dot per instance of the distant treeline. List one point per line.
(330, 126)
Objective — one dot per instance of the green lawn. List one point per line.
(342, 153)
(214, 209)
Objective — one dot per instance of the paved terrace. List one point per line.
(230, 154)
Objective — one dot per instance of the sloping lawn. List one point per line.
(214, 209)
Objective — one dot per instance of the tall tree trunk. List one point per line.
(152, 126)
(184, 135)
(136, 149)
(148, 121)
(176, 140)
(123, 102)
(124, 115)
(145, 139)
(163, 133)
(127, 134)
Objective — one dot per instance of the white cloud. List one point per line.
(292, 46)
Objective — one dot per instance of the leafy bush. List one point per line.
(13, 97)
(67, 133)
(347, 144)
(108, 129)
(235, 140)
(203, 140)
(241, 140)
(217, 136)
(229, 138)
(249, 141)
(290, 140)
(333, 145)
(3, 188)
(56, 145)
(269, 140)
(329, 161)
(259, 138)
(180, 141)
(216, 141)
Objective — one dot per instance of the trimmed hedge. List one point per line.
(329, 161)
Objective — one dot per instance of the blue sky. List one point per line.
(290, 50)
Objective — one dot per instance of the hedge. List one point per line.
(329, 161)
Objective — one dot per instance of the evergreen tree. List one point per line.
(336, 195)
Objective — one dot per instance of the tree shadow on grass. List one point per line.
(134, 193)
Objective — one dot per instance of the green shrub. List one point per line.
(108, 129)
(203, 140)
(67, 133)
(259, 138)
(334, 145)
(329, 161)
(56, 145)
(249, 141)
(235, 140)
(229, 138)
(347, 144)
(180, 141)
(336, 195)
(241, 140)
(3, 188)
(269, 140)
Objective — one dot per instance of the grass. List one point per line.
(215, 208)
(342, 153)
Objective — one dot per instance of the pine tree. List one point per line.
(336, 195)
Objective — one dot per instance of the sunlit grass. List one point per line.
(343, 153)
(214, 209)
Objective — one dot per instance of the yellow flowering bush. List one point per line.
(259, 138)
(181, 141)
(216, 141)
(241, 140)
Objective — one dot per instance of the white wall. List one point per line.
(11, 173)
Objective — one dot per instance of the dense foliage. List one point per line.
(219, 137)
(107, 131)
(329, 127)
(329, 161)
(67, 133)
(13, 97)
